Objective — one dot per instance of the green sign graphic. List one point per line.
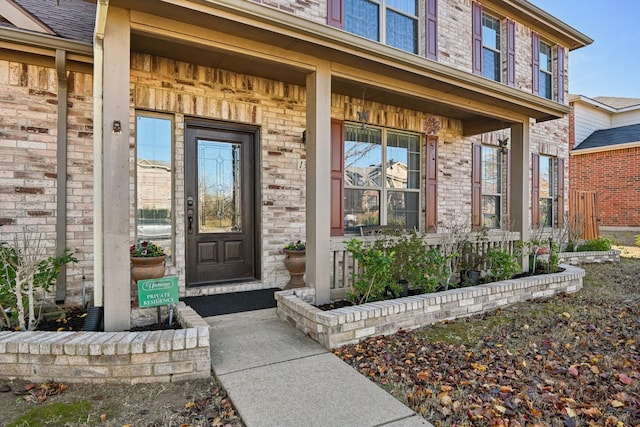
(154, 292)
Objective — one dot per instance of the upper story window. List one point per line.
(491, 57)
(393, 22)
(548, 69)
(381, 178)
(546, 72)
(493, 54)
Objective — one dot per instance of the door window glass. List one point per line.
(219, 190)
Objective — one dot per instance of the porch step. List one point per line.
(234, 302)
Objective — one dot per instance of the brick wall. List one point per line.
(313, 10)
(615, 176)
(115, 357)
(28, 170)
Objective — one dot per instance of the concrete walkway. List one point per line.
(277, 376)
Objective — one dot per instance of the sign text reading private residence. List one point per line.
(154, 292)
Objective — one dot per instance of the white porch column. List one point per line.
(520, 194)
(318, 194)
(116, 201)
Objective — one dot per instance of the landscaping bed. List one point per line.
(349, 325)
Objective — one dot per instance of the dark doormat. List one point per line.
(215, 305)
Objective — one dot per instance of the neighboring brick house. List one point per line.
(270, 114)
(605, 156)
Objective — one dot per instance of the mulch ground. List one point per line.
(573, 360)
(73, 319)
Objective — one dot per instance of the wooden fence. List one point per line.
(583, 213)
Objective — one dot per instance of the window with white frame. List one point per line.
(491, 58)
(546, 71)
(548, 186)
(154, 180)
(375, 194)
(491, 187)
(392, 22)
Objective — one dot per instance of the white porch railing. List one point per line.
(343, 264)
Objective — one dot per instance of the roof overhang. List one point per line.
(581, 151)
(597, 104)
(545, 23)
(250, 38)
(27, 42)
(20, 18)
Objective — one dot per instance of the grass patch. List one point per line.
(54, 414)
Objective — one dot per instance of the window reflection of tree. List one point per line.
(366, 150)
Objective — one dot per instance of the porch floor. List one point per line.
(277, 376)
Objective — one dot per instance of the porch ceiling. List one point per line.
(390, 76)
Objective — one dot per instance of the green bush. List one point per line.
(601, 244)
(502, 264)
(373, 277)
(422, 268)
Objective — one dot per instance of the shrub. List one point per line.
(502, 264)
(373, 277)
(601, 244)
(25, 278)
(421, 267)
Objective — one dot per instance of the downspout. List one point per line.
(98, 225)
(61, 180)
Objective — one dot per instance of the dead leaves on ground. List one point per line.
(568, 370)
(39, 393)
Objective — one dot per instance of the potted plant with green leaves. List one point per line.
(147, 261)
(296, 263)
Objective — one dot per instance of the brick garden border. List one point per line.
(575, 258)
(336, 328)
(110, 357)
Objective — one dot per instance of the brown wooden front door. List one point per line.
(220, 207)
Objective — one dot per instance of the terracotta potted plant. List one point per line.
(147, 261)
(296, 263)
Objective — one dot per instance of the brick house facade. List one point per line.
(287, 80)
(604, 139)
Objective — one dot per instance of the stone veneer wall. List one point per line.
(114, 357)
(336, 328)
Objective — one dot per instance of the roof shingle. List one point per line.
(611, 137)
(69, 19)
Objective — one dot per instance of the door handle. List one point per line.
(190, 214)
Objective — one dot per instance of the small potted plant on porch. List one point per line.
(147, 261)
(296, 263)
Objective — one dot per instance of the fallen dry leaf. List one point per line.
(552, 373)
